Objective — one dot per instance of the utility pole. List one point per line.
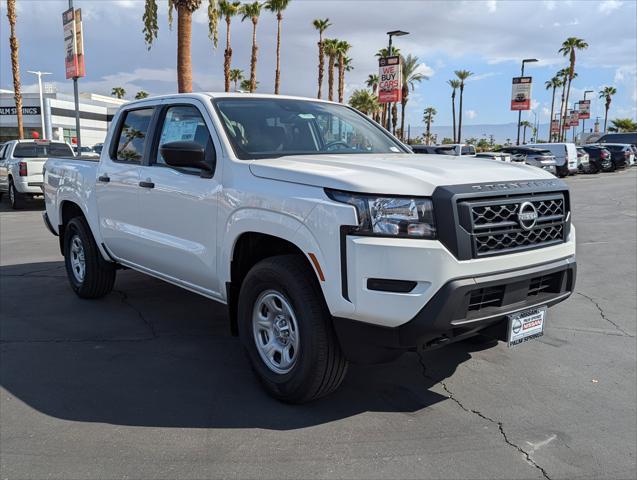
(39, 74)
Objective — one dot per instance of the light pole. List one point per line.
(393, 33)
(526, 60)
(583, 119)
(39, 74)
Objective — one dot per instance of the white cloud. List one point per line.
(549, 4)
(546, 111)
(425, 69)
(534, 104)
(607, 6)
(471, 114)
(492, 5)
(482, 76)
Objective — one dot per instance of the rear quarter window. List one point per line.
(131, 135)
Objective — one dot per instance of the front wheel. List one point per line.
(89, 274)
(286, 330)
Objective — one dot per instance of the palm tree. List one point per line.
(228, 10)
(141, 94)
(623, 125)
(364, 101)
(330, 48)
(553, 83)
(568, 48)
(462, 76)
(185, 9)
(15, 65)
(321, 25)
(454, 84)
(252, 11)
(342, 47)
(606, 93)
(410, 78)
(245, 85)
(118, 92)
(372, 82)
(236, 75)
(428, 118)
(525, 124)
(277, 7)
(563, 75)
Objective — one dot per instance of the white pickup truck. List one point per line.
(328, 240)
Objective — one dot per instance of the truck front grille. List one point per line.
(498, 225)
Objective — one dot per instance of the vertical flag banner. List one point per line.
(521, 93)
(584, 109)
(574, 117)
(390, 85)
(555, 126)
(73, 43)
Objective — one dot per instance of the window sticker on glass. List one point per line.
(307, 116)
(180, 131)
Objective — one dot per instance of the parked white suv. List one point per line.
(327, 239)
(21, 164)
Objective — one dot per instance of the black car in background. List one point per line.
(620, 154)
(627, 137)
(599, 159)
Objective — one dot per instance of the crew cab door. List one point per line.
(178, 205)
(117, 183)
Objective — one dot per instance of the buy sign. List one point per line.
(390, 85)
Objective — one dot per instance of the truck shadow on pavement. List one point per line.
(152, 354)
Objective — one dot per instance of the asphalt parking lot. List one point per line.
(148, 382)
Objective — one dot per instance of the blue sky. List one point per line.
(485, 36)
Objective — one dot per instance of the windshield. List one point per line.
(34, 150)
(268, 128)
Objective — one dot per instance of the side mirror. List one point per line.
(186, 154)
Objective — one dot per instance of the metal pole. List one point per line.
(77, 106)
(41, 105)
(520, 111)
(389, 104)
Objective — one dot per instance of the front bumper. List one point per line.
(461, 308)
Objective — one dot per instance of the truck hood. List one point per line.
(401, 174)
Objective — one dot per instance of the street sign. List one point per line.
(574, 118)
(584, 109)
(25, 110)
(390, 85)
(521, 93)
(73, 43)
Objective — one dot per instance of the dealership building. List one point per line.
(58, 111)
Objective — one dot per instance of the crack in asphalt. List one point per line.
(140, 314)
(603, 315)
(108, 340)
(481, 415)
(35, 273)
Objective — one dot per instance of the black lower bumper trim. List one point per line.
(453, 313)
(49, 227)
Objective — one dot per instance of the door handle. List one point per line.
(147, 184)
(104, 178)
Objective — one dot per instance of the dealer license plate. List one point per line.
(526, 325)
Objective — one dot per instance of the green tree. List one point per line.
(454, 84)
(342, 47)
(364, 101)
(607, 93)
(321, 25)
(568, 49)
(252, 11)
(236, 75)
(330, 48)
(372, 82)
(554, 83)
(228, 9)
(462, 75)
(185, 9)
(118, 92)
(447, 141)
(246, 85)
(623, 125)
(277, 7)
(428, 117)
(563, 76)
(411, 77)
(525, 124)
(141, 94)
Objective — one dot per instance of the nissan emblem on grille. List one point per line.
(527, 215)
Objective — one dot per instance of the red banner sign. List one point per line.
(73, 43)
(555, 126)
(521, 93)
(584, 109)
(574, 117)
(390, 85)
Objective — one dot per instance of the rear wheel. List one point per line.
(16, 199)
(287, 332)
(89, 274)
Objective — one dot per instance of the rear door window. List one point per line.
(131, 138)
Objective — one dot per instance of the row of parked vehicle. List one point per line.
(611, 152)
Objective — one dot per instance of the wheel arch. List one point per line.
(69, 209)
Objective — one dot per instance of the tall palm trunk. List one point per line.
(277, 76)
(524, 135)
(15, 65)
(384, 115)
(453, 113)
(394, 117)
(227, 56)
(551, 118)
(403, 102)
(341, 78)
(460, 115)
(253, 59)
(570, 79)
(321, 66)
(561, 123)
(330, 78)
(607, 106)
(429, 130)
(184, 64)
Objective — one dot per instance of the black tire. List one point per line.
(320, 366)
(562, 171)
(16, 199)
(99, 275)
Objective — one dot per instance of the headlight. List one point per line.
(408, 217)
